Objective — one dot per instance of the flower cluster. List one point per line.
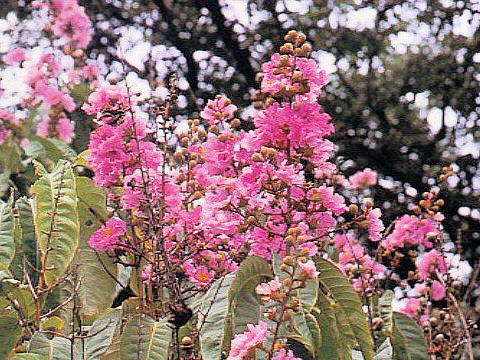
(195, 212)
(71, 23)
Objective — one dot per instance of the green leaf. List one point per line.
(7, 240)
(82, 159)
(386, 312)
(145, 339)
(213, 318)
(54, 323)
(29, 242)
(56, 218)
(94, 198)
(244, 302)
(97, 287)
(10, 332)
(332, 278)
(57, 348)
(385, 351)
(101, 334)
(325, 316)
(11, 157)
(28, 356)
(4, 182)
(314, 329)
(408, 340)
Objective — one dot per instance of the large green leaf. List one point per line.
(213, 318)
(56, 218)
(385, 351)
(408, 340)
(145, 339)
(332, 278)
(7, 240)
(386, 312)
(97, 286)
(23, 210)
(325, 316)
(10, 332)
(11, 157)
(28, 356)
(101, 334)
(246, 308)
(94, 198)
(57, 348)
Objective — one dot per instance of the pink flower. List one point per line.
(363, 179)
(43, 127)
(269, 288)
(430, 261)
(309, 271)
(91, 72)
(108, 236)
(71, 23)
(284, 355)
(375, 225)
(275, 81)
(410, 230)
(411, 308)
(15, 56)
(65, 129)
(243, 344)
(147, 273)
(438, 291)
(219, 110)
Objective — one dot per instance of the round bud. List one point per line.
(288, 260)
(197, 195)
(178, 156)
(187, 340)
(213, 129)
(457, 285)
(251, 219)
(236, 123)
(353, 208)
(192, 164)
(440, 202)
(257, 157)
(196, 122)
(287, 282)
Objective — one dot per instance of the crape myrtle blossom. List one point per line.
(109, 236)
(285, 355)
(71, 23)
(363, 179)
(246, 343)
(218, 110)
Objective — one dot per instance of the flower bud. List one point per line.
(236, 123)
(251, 220)
(353, 208)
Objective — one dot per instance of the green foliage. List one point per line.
(10, 331)
(97, 287)
(213, 318)
(145, 339)
(346, 298)
(7, 241)
(56, 219)
(408, 341)
(56, 348)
